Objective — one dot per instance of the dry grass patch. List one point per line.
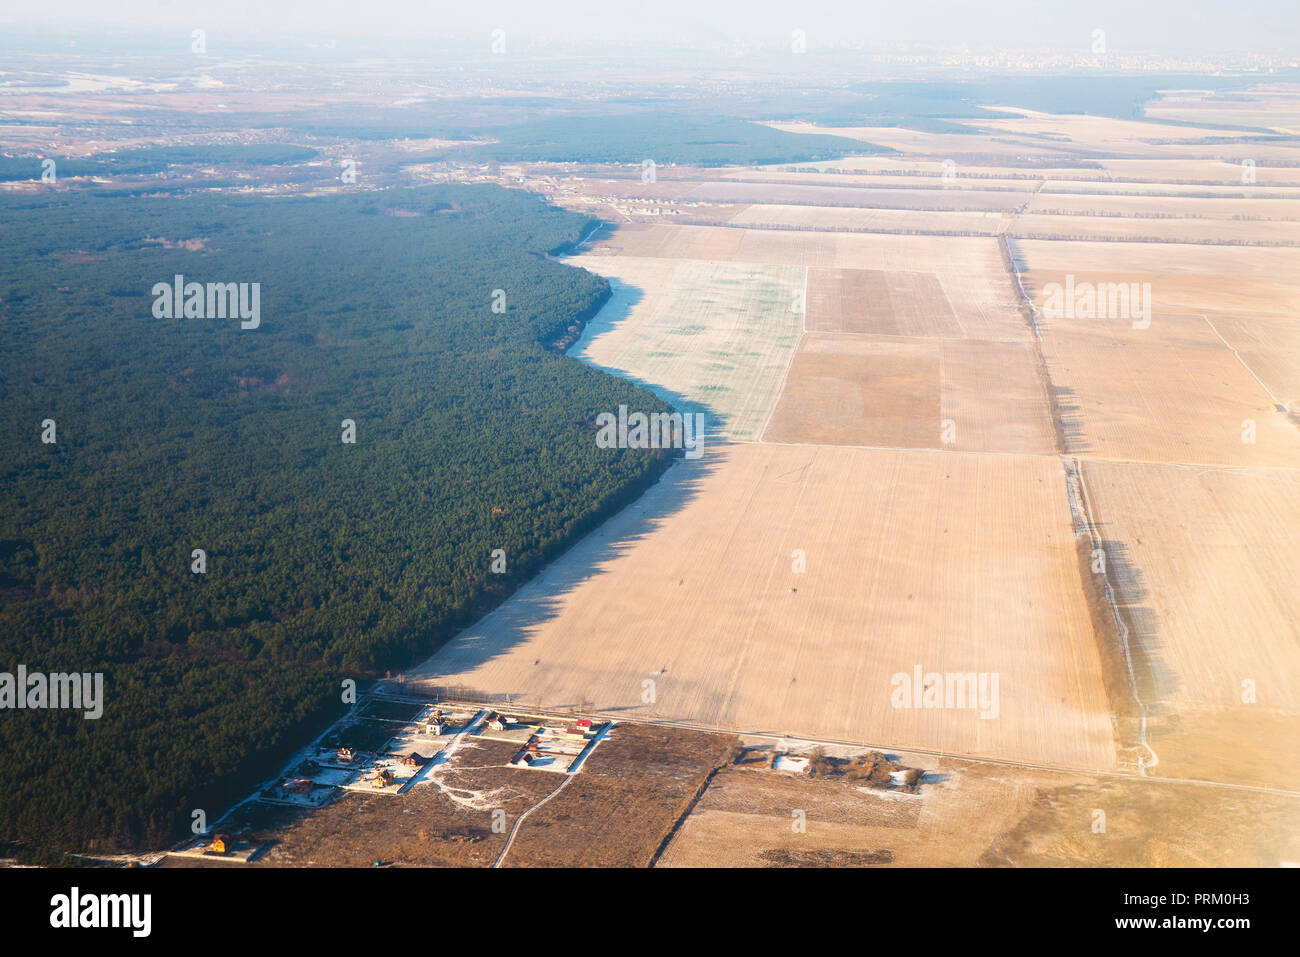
(1151, 825)
(624, 803)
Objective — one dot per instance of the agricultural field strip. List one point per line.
(1213, 174)
(1078, 492)
(1244, 363)
(1049, 227)
(1036, 226)
(1081, 456)
(803, 331)
(1081, 499)
(914, 199)
(595, 263)
(1101, 458)
(1051, 186)
(802, 740)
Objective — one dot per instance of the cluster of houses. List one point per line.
(532, 751)
(436, 723)
(498, 722)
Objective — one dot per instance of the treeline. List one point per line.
(665, 139)
(155, 160)
(324, 560)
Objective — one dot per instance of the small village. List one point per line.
(388, 745)
(395, 741)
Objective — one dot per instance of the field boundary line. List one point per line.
(1074, 474)
(1077, 501)
(1277, 403)
(519, 821)
(803, 332)
(686, 813)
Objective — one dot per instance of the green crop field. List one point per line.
(709, 337)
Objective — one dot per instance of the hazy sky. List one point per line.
(1168, 26)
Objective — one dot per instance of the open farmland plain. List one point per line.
(928, 467)
(978, 814)
(955, 562)
(1204, 562)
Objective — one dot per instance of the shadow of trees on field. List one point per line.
(1069, 419)
(619, 308)
(541, 600)
(1154, 680)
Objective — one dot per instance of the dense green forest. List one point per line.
(157, 159)
(666, 139)
(325, 560)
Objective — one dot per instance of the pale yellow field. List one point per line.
(1027, 225)
(1195, 170)
(1169, 393)
(1100, 132)
(854, 389)
(1269, 105)
(917, 176)
(1279, 265)
(1159, 172)
(1205, 562)
(1233, 190)
(953, 562)
(958, 556)
(1181, 207)
(1186, 294)
(955, 145)
(970, 269)
(872, 220)
(927, 166)
(976, 200)
(1271, 348)
(1132, 228)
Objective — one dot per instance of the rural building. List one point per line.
(221, 844)
(413, 760)
(347, 755)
